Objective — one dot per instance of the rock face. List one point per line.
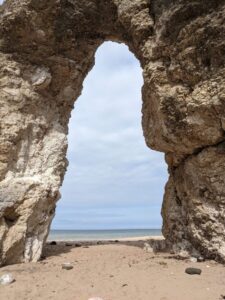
(46, 50)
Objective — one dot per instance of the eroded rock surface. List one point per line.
(46, 50)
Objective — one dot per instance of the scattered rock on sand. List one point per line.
(193, 271)
(53, 243)
(68, 244)
(200, 259)
(148, 248)
(193, 259)
(7, 279)
(183, 254)
(67, 266)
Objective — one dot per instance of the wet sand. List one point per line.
(116, 270)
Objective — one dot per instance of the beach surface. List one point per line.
(116, 270)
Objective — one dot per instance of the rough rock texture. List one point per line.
(46, 50)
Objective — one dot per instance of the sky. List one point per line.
(113, 180)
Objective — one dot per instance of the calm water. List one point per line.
(84, 235)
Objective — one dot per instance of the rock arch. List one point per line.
(46, 50)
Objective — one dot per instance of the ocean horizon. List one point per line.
(100, 234)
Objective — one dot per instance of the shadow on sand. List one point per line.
(54, 248)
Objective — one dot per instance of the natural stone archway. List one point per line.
(46, 50)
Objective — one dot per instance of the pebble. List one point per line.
(193, 259)
(200, 259)
(7, 279)
(183, 254)
(193, 271)
(53, 243)
(67, 266)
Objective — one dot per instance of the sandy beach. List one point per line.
(118, 270)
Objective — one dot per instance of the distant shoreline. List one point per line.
(104, 235)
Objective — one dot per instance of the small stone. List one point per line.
(7, 279)
(53, 243)
(193, 271)
(193, 259)
(200, 259)
(67, 266)
(183, 254)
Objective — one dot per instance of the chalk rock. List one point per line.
(148, 248)
(7, 279)
(184, 254)
(200, 259)
(193, 259)
(41, 78)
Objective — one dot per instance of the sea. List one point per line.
(92, 235)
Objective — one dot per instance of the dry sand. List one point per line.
(115, 271)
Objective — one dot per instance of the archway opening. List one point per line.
(114, 182)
